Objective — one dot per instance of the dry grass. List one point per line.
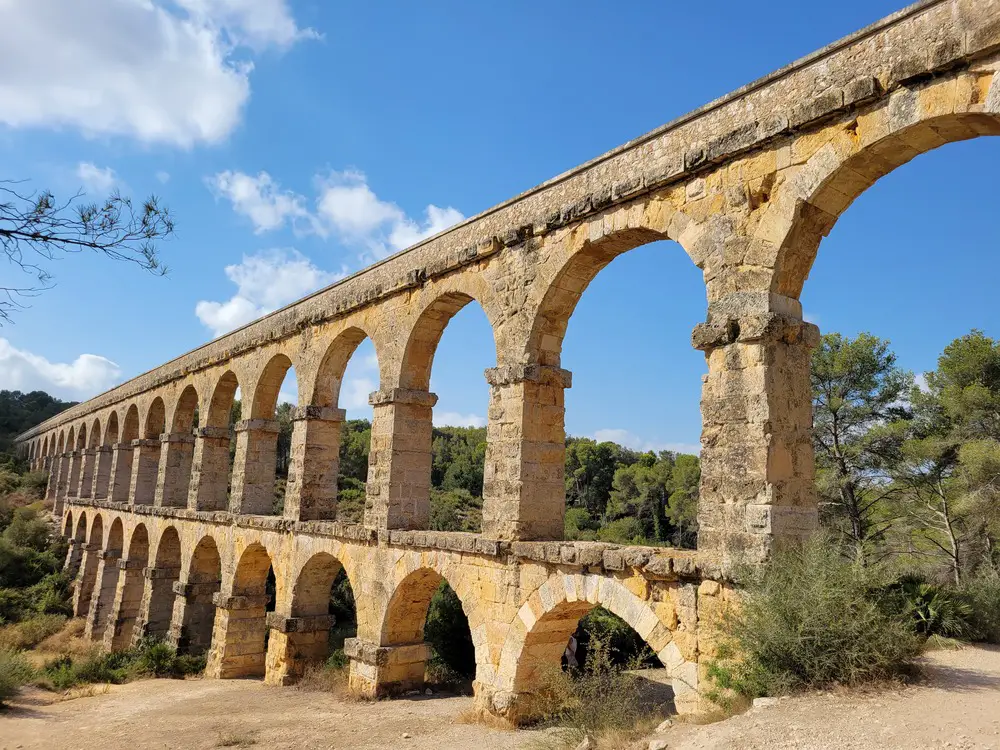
(323, 679)
(236, 738)
(84, 691)
(68, 641)
(485, 719)
(30, 632)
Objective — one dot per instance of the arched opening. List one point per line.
(899, 298)
(426, 620)
(204, 579)
(124, 457)
(630, 470)
(89, 465)
(68, 525)
(324, 616)
(212, 466)
(160, 585)
(243, 647)
(455, 331)
(146, 458)
(107, 582)
(77, 441)
(121, 628)
(347, 375)
(75, 554)
(256, 488)
(88, 572)
(178, 451)
(579, 632)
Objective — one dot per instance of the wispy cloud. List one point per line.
(636, 443)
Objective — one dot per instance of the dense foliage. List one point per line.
(22, 411)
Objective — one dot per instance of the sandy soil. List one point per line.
(956, 706)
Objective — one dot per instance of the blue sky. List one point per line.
(298, 141)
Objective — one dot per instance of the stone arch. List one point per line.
(158, 604)
(221, 403)
(265, 390)
(239, 640)
(130, 427)
(196, 617)
(580, 264)
(111, 432)
(94, 438)
(106, 583)
(402, 627)
(183, 419)
(155, 423)
(60, 445)
(68, 524)
(81, 528)
(538, 635)
(866, 148)
(87, 576)
(129, 597)
(330, 374)
(304, 638)
(70, 439)
(424, 336)
(81, 437)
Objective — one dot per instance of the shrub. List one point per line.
(34, 483)
(600, 699)
(983, 595)
(29, 633)
(812, 619)
(27, 529)
(151, 658)
(623, 645)
(935, 610)
(15, 671)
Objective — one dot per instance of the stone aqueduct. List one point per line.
(748, 186)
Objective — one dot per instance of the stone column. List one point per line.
(52, 487)
(524, 490)
(102, 473)
(73, 482)
(83, 587)
(145, 471)
(62, 484)
(73, 557)
(399, 463)
(294, 644)
(385, 670)
(210, 470)
(103, 599)
(253, 467)
(87, 459)
(174, 472)
(238, 637)
(311, 492)
(757, 457)
(156, 610)
(194, 616)
(121, 472)
(125, 610)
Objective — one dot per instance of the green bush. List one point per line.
(812, 619)
(935, 610)
(983, 595)
(15, 671)
(151, 658)
(622, 645)
(35, 483)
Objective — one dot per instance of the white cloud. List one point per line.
(352, 209)
(454, 419)
(257, 24)
(95, 179)
(160, 71)
(345, 206)
(86, 376)
(636, 443)
(264, 282)
(921, 382)
(163, 177)
(262, 201)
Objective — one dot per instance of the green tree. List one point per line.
(856, 387)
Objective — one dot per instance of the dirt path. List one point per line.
(958, 706)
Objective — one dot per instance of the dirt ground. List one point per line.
(957, 706)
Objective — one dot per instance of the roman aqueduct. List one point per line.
(163, 541)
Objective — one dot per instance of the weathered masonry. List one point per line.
(164, 543)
